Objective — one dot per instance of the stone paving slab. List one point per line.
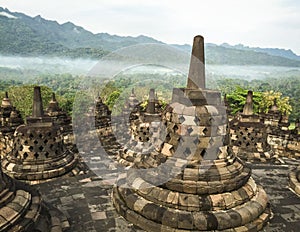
(86, 199)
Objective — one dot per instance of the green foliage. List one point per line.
(268, 99)
(237, 100)
(22, 97)
(112, 98)
(67, 87)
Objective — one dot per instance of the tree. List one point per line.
(237, 100)
(22, 98)
(270, 97)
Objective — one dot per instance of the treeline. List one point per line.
(116, 91)
(288, 86)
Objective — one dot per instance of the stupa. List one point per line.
(10, 119)
(144, 126)
(104, 128)
(201, 185)
(38, 152)
(249, 135)
(58, 115)
(22, 209)
(62, 119)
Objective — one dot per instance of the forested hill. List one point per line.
(23, 35)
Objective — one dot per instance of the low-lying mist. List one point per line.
(54, 65)
(31, 67)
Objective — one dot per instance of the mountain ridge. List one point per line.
(23, 35)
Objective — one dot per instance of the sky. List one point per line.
(255, 23)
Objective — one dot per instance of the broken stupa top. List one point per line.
(201, 186)
(10, 117)
(53, 105)
(59, 116)
(6, 101)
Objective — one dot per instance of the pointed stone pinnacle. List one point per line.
(53, 97)
(196, 78)
(6, 94)
(151, 102)
(37, 110)
(248, 107)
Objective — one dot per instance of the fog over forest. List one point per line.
(57, 65)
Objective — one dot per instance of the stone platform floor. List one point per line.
(85, 199)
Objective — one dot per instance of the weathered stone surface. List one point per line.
(38, 152)
(249, 135)
(207, 182)
(22, 209)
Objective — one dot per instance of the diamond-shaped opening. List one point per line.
(51, 146)
(168, 137)
(211, 141)
(35, 142)
(181, 119)
(25, 155)
(41, 148)
(197, 121)
(175, 127)
(21, 147)
(36, 155)
(49, 134)
(31, 135)
(46, 141)
(25, 142)
(190, 130)
(30, 148)
(205, 131)
(196, 141)
(203, 153)
(47, 154)
(187, 151)
(40, 135)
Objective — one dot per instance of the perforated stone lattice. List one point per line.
(38, 145)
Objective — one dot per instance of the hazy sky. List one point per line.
(269, 23)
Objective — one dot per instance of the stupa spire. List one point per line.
(151, 102)
(196, 77)
(37, 109)
(248, 107)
